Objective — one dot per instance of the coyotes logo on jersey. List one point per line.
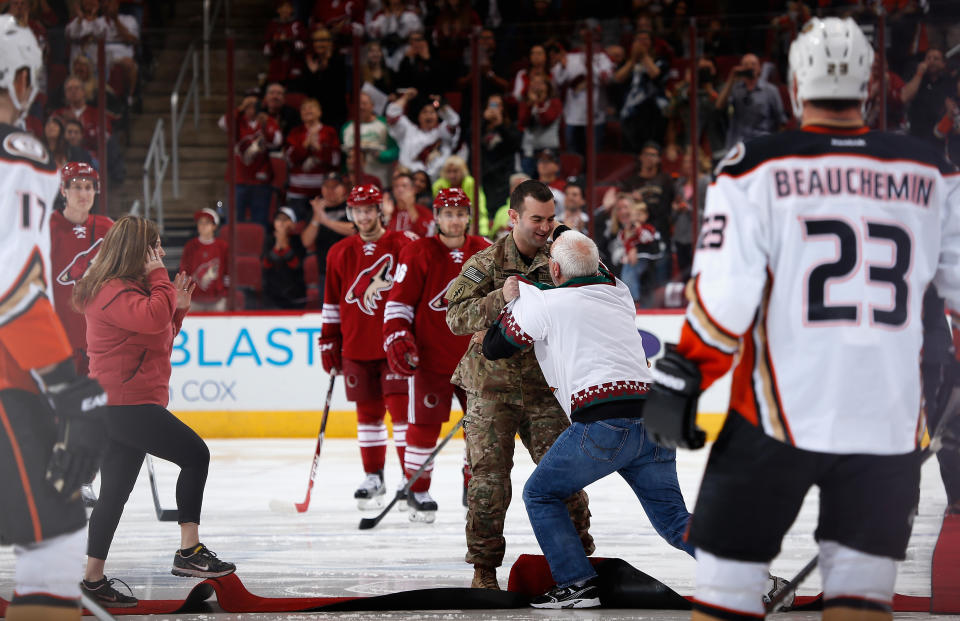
(207, 273)
(370, 284)
(439, 303)
(79, 265)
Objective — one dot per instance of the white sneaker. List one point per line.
(371, 491)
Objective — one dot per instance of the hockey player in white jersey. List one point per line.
(42, 465)
(816, 249)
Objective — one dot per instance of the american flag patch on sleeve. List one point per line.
(474, 274)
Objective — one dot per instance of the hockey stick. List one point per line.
(285, 506)
(164, 515)
(367, 523)
(936, 443)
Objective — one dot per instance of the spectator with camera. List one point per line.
(538, 117)
(256, 134)
(712, 122)
(324, 77)
(755, 107)
(642, 112)
(428, 143)
(498, 149)
(925, 96)
(417, 70)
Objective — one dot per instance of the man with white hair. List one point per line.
(588, 347)
(816, 249)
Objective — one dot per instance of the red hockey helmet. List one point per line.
(362, 195)
(450, 197)
(79, 170)
(366, 194)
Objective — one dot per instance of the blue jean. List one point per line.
(631, 275)
(587, 452)
(256, 199)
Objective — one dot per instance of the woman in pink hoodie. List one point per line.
(133, 312)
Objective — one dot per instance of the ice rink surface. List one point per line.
(322, 553)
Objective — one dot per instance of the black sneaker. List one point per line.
(586, 596)
(200, 562)
(103, 593)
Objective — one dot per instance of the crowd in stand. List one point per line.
(417, 78)
(296, 144)
(66, 114)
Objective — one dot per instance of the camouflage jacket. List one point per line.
(474, 301)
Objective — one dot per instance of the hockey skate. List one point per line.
(774, 585)
(423, 508)
(371, 492)
(88, 496)
(402, 494)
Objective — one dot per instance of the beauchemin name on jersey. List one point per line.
(815, 251)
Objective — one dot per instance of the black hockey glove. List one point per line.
(78, 404)
(670, 413)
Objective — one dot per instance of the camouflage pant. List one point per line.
(489, 428)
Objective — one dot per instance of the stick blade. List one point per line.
(168, 515)
(284, 506)
(368, 523)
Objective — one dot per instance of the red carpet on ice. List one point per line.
(622, 586)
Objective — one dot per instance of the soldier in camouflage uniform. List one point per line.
(505, 397)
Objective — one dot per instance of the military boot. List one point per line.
(484, 578)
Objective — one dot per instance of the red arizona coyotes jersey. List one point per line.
(72, 249)
(816, 248)
(207, 264)
(359, 276)
(415, 303)
(31, 336)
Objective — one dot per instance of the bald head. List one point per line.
(574, 255)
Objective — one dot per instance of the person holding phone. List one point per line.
(133, 312)
(754, 106)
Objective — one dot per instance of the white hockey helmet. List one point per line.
(18, 50)
(829, 59)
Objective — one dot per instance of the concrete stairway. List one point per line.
(203, 149)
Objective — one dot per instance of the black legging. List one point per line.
(133, 431)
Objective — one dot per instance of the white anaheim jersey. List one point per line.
(29, 182)
(585, 338)
(815, 251)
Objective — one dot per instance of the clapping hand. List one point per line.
(184, 285)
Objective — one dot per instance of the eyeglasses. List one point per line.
(315, 39)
